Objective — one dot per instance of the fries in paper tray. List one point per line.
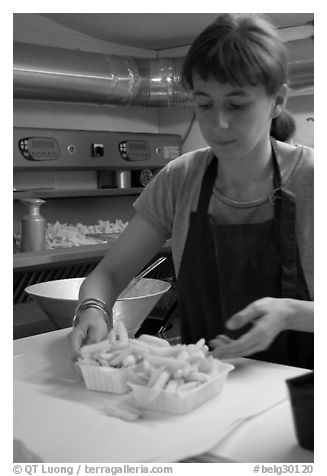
(108, 365)
(174, 379)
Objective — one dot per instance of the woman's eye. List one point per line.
(205, 107)
(237, 106)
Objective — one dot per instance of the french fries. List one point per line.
(153, 368)
(115, 351)
(179, 369)
(64, 235)
(153, 340)
(161, 363)
(123, 412)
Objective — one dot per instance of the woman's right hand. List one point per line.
(91, 328)
(139, 243)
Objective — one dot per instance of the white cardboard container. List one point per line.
(106, 379)
(180, 402)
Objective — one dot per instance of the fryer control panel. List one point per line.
(134, 150)
(39, 148)
(62, 149)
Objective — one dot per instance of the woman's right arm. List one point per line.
(136, 246)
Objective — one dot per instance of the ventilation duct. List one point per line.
(55, 74)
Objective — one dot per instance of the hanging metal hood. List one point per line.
(56, 74)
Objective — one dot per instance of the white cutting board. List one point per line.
(62, 422)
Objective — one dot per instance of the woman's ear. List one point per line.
(279, 101)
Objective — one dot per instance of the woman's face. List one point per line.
(233, 120)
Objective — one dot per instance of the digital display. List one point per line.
(137, 145)
(39, 144)
(39, 148)
(134, 150)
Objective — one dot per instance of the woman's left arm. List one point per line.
(269, 317)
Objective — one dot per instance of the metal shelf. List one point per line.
(49, 193)
(34, 259)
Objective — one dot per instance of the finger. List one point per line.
(251, 342)
(96, 334)
(77, 339)
(231, 351)
(219, 340)
(228, 352)
(246, 315)
(225, 339)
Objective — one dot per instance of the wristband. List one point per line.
(96, 304)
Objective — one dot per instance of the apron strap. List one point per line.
(277, 175)
(277, 183)
(288, 244)
(208, 182)
(285, 219)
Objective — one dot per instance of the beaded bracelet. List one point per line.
(96, 304)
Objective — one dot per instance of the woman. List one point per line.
(239, 212)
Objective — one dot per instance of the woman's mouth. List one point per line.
(223, 143)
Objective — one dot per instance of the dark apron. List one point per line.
(226, 267)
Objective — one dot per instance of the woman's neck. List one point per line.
(248, 178)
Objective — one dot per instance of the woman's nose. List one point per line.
(221, 120)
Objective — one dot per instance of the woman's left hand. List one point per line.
(269, 317)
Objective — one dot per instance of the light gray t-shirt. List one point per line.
(173, 194)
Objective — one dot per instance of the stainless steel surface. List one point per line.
(157, 31)
(59, 298)
(58, 74)
(33, 226)
(31, 260)
(29, 319)
(123, 179)
(143, 273)
(87, 173)
(160, 148)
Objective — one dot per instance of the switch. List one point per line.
(97, 150)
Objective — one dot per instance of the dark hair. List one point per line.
(283, 127)
(240, 49)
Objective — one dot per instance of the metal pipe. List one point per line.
(57, 74)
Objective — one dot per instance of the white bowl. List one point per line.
(58, 299)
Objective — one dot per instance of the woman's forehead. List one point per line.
(212, 87)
